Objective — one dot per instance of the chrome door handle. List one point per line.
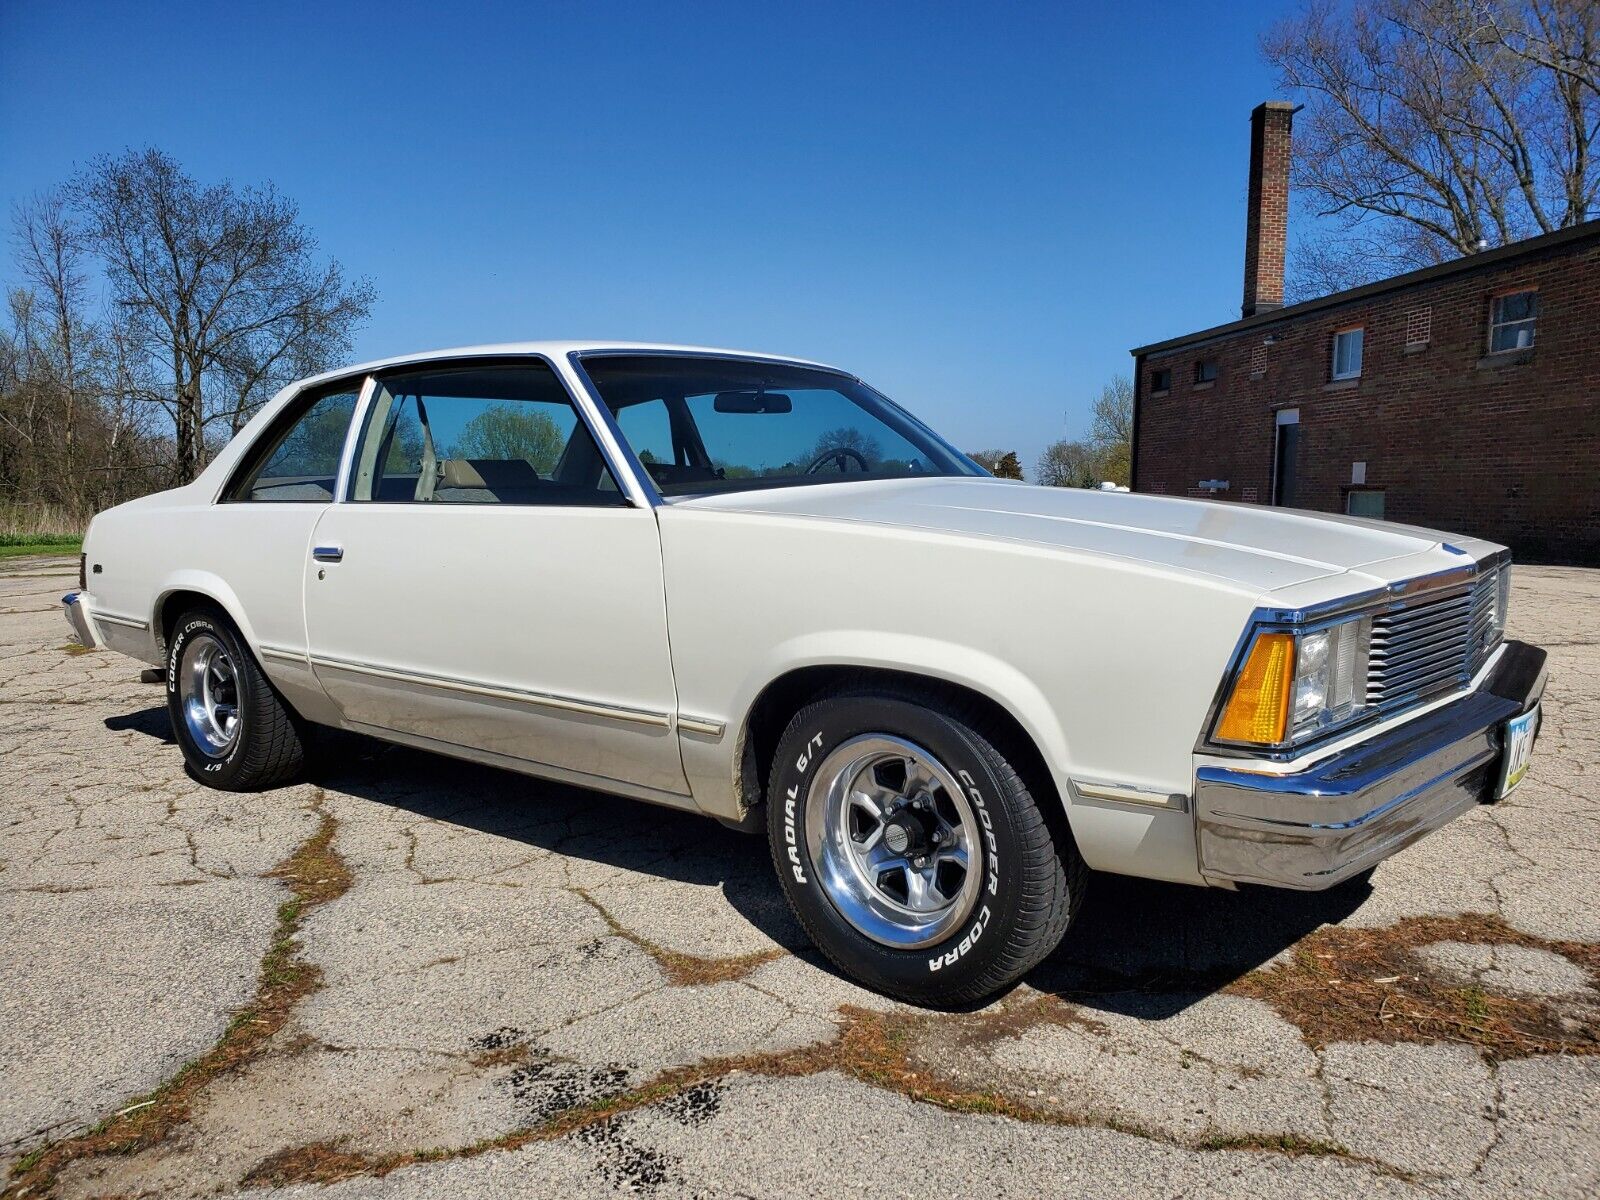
(328, 553)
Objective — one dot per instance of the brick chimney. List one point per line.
(1267, 224)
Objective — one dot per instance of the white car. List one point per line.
(754, 588)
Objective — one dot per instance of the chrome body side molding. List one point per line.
(701, 725)
(1131, 793)
(574, 704)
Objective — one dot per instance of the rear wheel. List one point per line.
(236, 732)
(912, 850)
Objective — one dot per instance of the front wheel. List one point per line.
(912, 850)
(236, 732)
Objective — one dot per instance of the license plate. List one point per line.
(1520, 732)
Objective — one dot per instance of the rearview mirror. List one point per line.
(753, 402)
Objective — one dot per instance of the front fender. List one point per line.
(951, 662)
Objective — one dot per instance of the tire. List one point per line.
(1029, 878)
(210, 670)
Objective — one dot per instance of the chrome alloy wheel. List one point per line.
(209, 693)
(894, 841)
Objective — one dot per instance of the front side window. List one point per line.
(298, 461)
(478, 435)
(714, 425)
(1347, 346)
(1511, 321)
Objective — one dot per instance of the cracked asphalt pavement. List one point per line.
(485, 985)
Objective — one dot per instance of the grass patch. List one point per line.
(1369, 985)
(1276, 1143)
(18, 545)
(315, 874)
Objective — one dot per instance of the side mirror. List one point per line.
(753, 402)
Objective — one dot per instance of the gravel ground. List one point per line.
(522, 989)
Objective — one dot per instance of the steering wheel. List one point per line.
(838, 454)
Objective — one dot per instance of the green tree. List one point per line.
(1002, 464)
(512, 430)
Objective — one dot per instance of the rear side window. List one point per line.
(299, 461)
(476, 434)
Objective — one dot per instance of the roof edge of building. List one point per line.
(1456, 266)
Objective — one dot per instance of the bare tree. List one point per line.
(1435, 128)
(223, 291)
(1069, 464)
(1113, 413)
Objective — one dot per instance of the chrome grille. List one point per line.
(1433, 644)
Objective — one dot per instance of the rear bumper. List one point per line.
(76, 607)
(1313, 829)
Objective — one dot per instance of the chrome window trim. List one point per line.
(1310, 618)
(352, 437)
(551, 700)
(635, 479)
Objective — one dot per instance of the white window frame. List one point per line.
(1532, 322)
(1341, 338)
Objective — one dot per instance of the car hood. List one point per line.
(1253, 546)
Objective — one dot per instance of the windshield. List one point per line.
(716, 425)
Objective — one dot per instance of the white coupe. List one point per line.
(752, 587)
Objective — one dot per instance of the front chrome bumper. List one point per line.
(77, 613)
(1315, 828)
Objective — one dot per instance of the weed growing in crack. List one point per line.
(1353, 985)
(315, 874)
(682, 970)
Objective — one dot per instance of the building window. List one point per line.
(1347, 345)
(1364, 502)
(1511, 319)
(1205, 370)
(1161, 381)
(1419, 327)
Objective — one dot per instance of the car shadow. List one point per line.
(1151, 950)
(154, 722)
(1139, 948)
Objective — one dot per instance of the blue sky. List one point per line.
(978, 207)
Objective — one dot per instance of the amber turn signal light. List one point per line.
(1257, 711)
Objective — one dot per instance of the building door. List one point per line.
(1286, 458)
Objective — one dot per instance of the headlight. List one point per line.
(1293, 685)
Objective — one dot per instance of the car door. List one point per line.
(256, 537)
(485, 584)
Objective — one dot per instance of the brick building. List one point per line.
(1464, 396)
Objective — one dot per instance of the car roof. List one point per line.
(552, 350)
